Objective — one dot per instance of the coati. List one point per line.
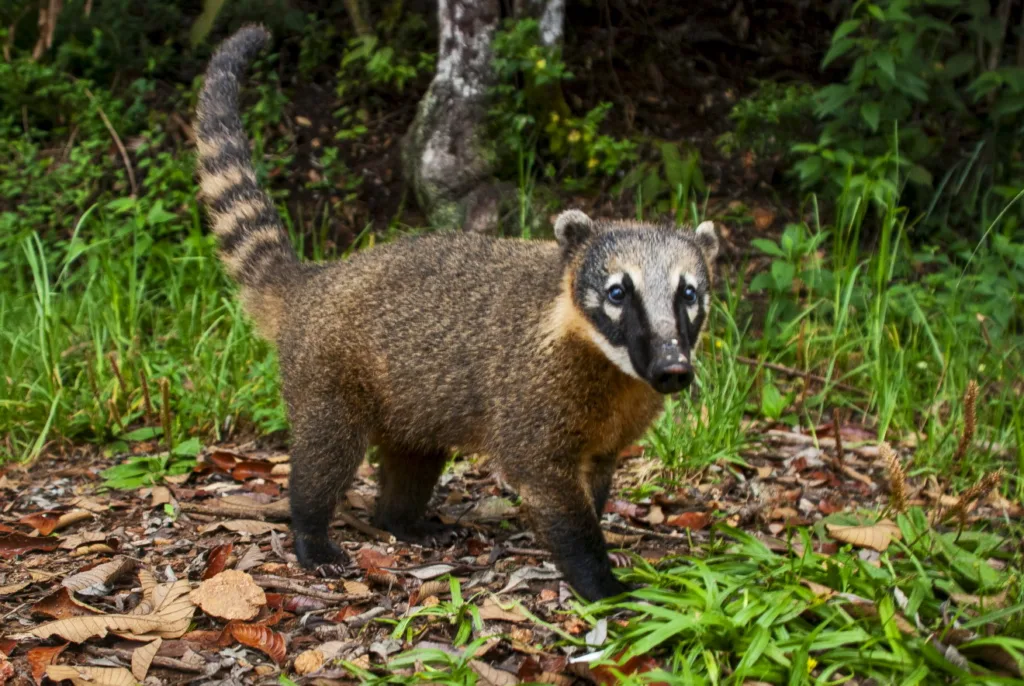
(551, 357)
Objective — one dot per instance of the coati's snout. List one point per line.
(644, 290)
(671, 371)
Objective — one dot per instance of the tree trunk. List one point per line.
(447, 157)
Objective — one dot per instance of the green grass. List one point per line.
(739, 611)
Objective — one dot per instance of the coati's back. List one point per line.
(439, 322)
(550, 356)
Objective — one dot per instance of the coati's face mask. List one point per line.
(644, 290)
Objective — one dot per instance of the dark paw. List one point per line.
(422, 532)
(316, 552)
(598, 587)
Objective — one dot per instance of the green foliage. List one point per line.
(914, 83)
(529, 113)
(668, 185)
(768, 120)
(740, 609)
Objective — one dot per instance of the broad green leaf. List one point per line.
(871, 112)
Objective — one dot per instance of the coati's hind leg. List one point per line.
(327, 447)
(406, 480)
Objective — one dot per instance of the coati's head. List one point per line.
(643, 291)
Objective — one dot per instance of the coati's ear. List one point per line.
(572, 229)
(707, 241)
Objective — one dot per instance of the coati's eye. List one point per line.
(690, 295)
(616, 294)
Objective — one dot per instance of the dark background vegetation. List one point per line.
(862, 159)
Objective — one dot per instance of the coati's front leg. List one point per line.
(600, 472)
(327, 447)
(561, 512)
(405, 483)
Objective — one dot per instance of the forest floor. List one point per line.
(230, 604)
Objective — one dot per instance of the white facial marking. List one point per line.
(617, 355)
(614, 312)
(592, 299)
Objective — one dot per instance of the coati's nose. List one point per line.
(671, 371)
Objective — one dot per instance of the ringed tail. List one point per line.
(253, 243)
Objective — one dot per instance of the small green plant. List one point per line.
(668, 185)
(767, 121)
(914, 68)
(530, 112)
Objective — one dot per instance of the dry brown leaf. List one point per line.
(61, 605)
(371, 558)
(492, 676)
(763, 218)
(142, 658)
(261, 638)
(80, 629)
(493, 610)
(80, 675)
(308, 661)
(875, 536)
(40, 575)
(229, 595)
(13, 543)
(42, 657)
(86, 503)
(161, 495)
(359, 588)
(48, 522)
(819, 590)
(690, 520)
(987, 602)
(655, 515)
(621, 540)
(101, 575)
(254, 527)
(432, 587)
(11, 589)
(75, 540)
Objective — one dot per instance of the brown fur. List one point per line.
(424, 345)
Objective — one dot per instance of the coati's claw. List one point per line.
(318, 551)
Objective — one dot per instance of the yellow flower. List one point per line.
(540, 64)
(554, 117)
(811, 664)
(718, 342)
(574, 136)
(591, 163)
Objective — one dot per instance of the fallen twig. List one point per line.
(789, 371)
(359, 525)
(283, 584)
(279, 515)
(158, 660)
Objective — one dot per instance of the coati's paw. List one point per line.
(598, 587)
(422, 532)
(320, 553)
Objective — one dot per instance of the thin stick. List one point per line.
(117, 141)
(838, 435)
(165, 411)
(147, 402)
(359, 525)
(789, 371)
(344, 516)
(282, 584)
(158, 660)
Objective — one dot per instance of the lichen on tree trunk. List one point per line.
(448, 159)
(445, 152)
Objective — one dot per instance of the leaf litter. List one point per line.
(211, 592)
